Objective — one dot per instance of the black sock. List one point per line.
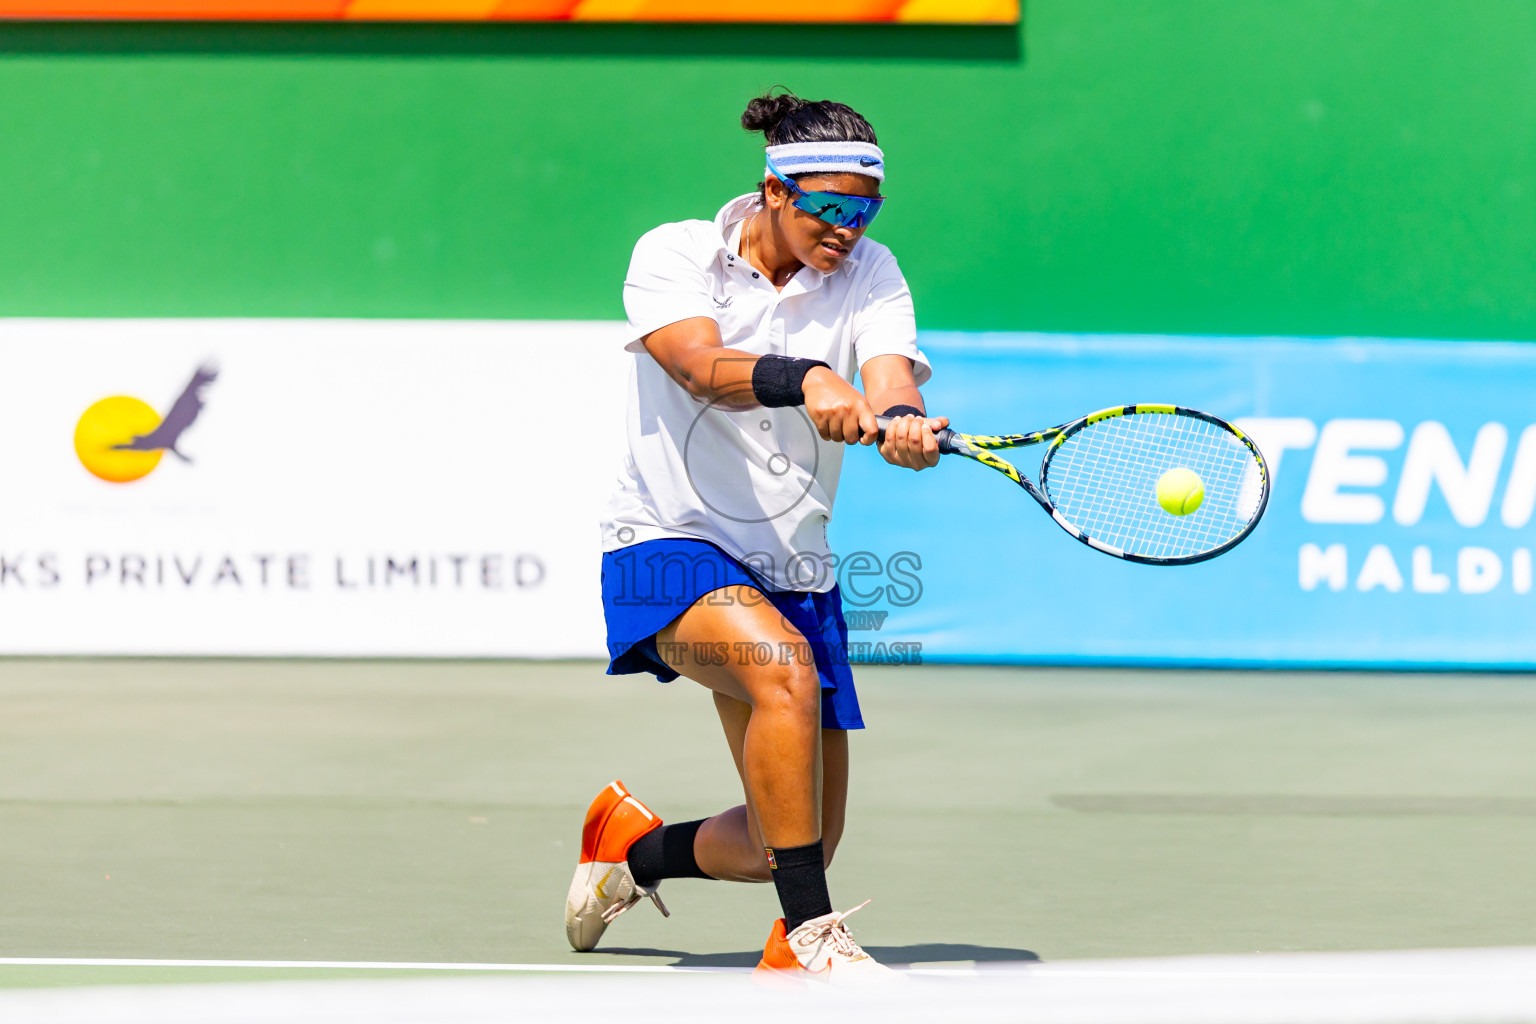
(665, 852)
(800, 875)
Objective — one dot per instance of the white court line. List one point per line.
(382, 965)
(1473, 986)
(1060, 969)
(364, 965)
(1467, 986)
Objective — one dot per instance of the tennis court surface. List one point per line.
(247, 815)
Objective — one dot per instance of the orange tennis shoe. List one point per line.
(603, 887)
(822, 949)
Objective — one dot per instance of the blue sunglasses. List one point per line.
(836, 208)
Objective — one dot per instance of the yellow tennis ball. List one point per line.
(1180, 491)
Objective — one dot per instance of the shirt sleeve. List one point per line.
(665, 283)
(886, 325)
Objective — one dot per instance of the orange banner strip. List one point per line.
(852, 11)
(185, 10)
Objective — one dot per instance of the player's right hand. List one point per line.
(909, 441)
(839, 410)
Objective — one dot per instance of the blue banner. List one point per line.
(1398, 534)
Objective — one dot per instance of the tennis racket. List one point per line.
(1100, 474)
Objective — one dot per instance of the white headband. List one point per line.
(828, 158)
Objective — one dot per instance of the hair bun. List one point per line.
(767, 111)
(788, 118)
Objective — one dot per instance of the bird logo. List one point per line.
(121, 439)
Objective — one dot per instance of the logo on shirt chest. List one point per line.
(721, 303)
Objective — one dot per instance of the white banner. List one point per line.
(306, 487)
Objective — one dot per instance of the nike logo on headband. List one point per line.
(865, 161)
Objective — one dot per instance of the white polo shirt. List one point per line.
(758, 483)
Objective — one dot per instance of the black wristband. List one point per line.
(777, 380)
(903, 410)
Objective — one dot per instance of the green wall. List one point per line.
(1311, 167)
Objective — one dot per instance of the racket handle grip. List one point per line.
(945, 437)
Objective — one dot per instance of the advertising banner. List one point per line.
(845, 11)
(1398, 532)
(379, 488)
(289, 487)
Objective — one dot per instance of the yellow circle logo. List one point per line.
(104, 431)
(121, 439)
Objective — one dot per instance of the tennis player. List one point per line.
(747, 332)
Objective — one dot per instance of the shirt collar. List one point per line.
(742, 207)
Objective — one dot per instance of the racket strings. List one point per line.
(1103, 480)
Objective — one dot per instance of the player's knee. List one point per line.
(789, 688)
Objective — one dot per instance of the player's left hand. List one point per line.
(909, 441)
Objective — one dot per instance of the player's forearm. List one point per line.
(718, 376)
(711, 373)
(892, 397)
(692, 354)
(890, 381)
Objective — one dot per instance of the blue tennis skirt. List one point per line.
(647, 585)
